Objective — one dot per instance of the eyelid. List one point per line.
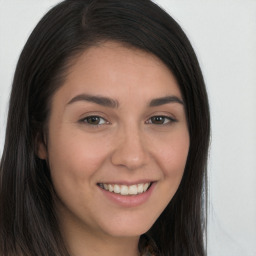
(82, 120)
(169, 117)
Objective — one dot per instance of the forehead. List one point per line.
(113, 69)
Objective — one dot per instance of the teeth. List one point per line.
(110, 188)
(126, 190)
(133, 190)
(145, 186)
(117, 189)
(140, 188)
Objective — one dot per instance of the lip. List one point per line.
(129, 200)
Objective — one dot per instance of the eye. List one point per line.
(160, 120)
(94, 120)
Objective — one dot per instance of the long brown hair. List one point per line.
(28, 224)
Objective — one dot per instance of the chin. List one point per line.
(128, 228)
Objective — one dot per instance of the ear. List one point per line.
(41, 148)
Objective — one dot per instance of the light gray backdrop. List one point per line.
(223, 33)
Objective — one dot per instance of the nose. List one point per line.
(130, 150)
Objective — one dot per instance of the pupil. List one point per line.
(157, 120)
(93, 120)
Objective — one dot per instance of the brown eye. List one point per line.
(94, 120)
(160, 120)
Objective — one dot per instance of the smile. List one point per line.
(124, 189)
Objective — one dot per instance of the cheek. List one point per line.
(75, 160)
(74, 163)
(76, 154)
(172, 159)
(173, 155)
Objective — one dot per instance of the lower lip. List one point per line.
(129, 201)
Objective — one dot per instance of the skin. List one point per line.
(127, 145)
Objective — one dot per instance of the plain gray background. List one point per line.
(223, 33)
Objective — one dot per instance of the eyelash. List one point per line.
(167, 120)
(85, 120)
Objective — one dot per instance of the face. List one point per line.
(117, 141)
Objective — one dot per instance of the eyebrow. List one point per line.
(165, 100)
(108, 102)
(100, 100)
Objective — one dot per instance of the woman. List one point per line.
(107, 136)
